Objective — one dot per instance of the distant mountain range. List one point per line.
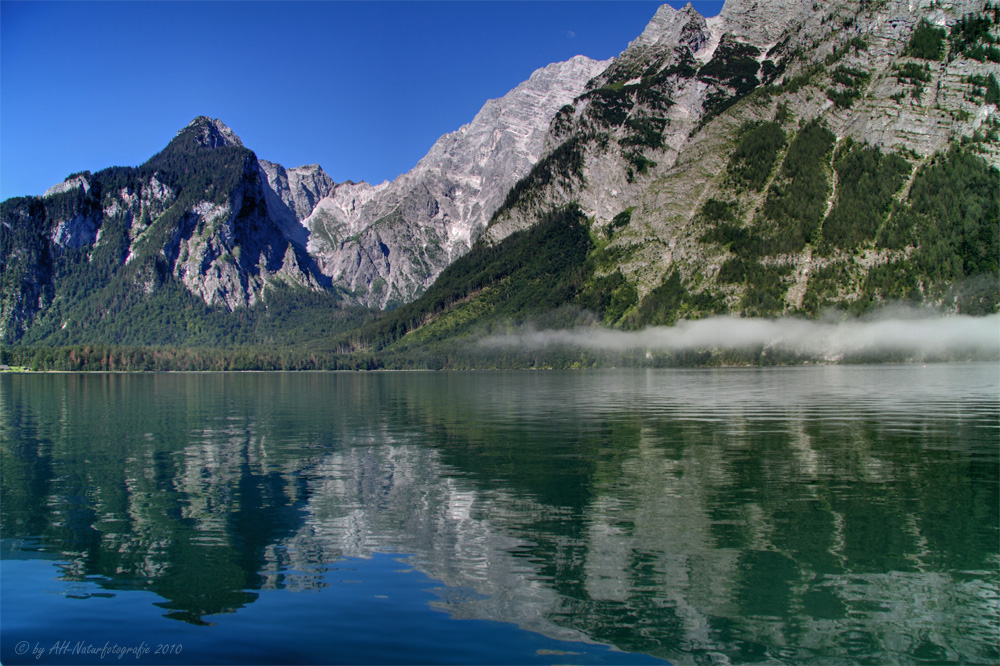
(781, 158)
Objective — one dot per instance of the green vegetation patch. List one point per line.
(671, 301)
(951, 219)
(610, 296)
(766, 288)
(984, 88)
(927, 42)
(914, 75)
(645, 132)
(973, 36)
(620, 221)
(955, 203)
(796, 202)
(608, 257)
(867, 181)
(850, 83)
(637, 164)
(714, 211)
(722, 224)
(753, 158)
(610, 105)
(733, 70)
(770, 71)
(661, 306)
(564, 166)
(765, 284)
(734, 64)
(825, 286)
(563, 121)
(893, 282)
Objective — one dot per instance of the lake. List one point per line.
(812, 514)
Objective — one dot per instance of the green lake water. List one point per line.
(817, 514)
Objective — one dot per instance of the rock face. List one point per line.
(292, 196)
(651, 140)
(386, 243)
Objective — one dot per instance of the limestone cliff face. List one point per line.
(292, 195)
(387, 243)
(652, 138)
(81, 229)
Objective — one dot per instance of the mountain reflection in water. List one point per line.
(800, 513)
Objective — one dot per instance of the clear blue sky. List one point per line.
(362, 88)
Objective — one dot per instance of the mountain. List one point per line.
(774, 160)
(159, 253)
(782, 158)
(387, 243)
(205, 216)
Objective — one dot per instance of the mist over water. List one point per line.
(898, 330)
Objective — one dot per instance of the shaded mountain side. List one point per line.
(176, 251)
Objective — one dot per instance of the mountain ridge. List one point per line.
(769, 161)
(241, 224)
(441, 204)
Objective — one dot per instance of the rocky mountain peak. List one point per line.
(79, 181)
(666, 26)
(669, 35)
(572, 69)
(211, 133)
(519, 120)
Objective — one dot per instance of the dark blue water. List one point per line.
(377, 610)
(804, 515)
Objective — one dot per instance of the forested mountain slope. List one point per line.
(159, 253)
